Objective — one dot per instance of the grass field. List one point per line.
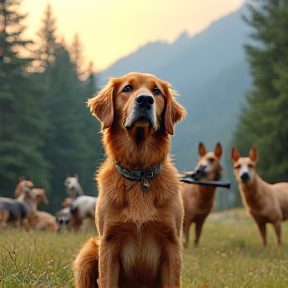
(230, 255)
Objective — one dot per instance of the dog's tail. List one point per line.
(86, 265)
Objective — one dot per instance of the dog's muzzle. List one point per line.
(201, 172)
(245, 177)
(143, 113)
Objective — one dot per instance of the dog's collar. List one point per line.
(143, 175)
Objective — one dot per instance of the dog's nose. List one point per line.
(245, 176)
(145, 101)
(201, 171)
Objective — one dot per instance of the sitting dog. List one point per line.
(139, 209)
(265, 202)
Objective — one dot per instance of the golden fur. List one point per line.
(139, 233)
(198, 200)
(267, 203)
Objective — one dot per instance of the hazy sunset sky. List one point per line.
(111, 29)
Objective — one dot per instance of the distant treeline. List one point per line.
(46, 130)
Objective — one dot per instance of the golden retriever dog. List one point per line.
(139, 210)
(198, 200)
(267, 203)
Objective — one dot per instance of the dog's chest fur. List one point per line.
(144, 220)
(128, 200)
(139, 249)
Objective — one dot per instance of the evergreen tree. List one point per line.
(264, 121)
(77, 56)
(47, 34)
(66, 146)
(21, 121)
(91, 132)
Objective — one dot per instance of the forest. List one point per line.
(46, 130)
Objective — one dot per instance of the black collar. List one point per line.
(144, 175)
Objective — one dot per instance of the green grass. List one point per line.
(230, 255)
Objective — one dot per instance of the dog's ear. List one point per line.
(174, 112)
(253, 154)
(234, 155)
(101, 106)
(201, 149)
(218, 150)
(76, 176)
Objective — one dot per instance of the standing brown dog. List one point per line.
(139, 209)
(198, 200)
(265, 202)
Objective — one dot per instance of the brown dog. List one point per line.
(198, 200)
(139, 209)
(265, 202)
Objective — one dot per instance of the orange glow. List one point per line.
(111, 29)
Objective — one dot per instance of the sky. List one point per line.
(112, 29)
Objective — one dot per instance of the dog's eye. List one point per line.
(237, 167)
(251, 166)
(127, 88)
(211, 160)
(156, 91)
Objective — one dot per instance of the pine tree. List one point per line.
(47, 34)
(91, 132)
(264, 120)
(77, 58)
(21, 121)
(67, 146)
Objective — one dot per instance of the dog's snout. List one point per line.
(201, 169)
(145, 101)
(245, 176)
(201, 172)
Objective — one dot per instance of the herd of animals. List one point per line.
(139, 212)
(266, 203)
(23, 209)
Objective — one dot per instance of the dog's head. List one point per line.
(135, 101)
(40, 195)
(244, 167)
(209, 167)
(72, 182)
(23, 186)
